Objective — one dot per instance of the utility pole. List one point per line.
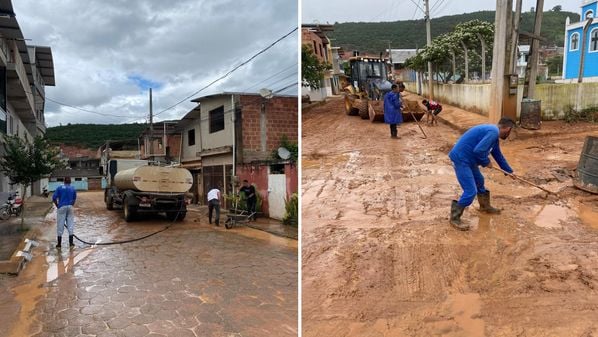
(392, 67)
(503, 92)
(151, 122)
(531, 69)
(429, 43)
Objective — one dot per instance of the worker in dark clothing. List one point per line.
(250, 197)
(64, 199)
(470, 152)
(392, 108)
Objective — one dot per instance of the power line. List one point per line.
(414, 12)
(418, 6)
(229, 72)
(270, 85)
(85, 110)
(280, 72)
(286, 87)
(438, 6)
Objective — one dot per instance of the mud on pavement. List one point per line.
(379, 256)
(190, 280)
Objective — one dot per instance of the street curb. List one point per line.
(20, 256)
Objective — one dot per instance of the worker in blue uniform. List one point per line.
(392, 108)
(470, 152)
(64, 198)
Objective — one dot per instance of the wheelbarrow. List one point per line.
(237, 218)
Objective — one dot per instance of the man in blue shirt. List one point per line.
(64, 198)
(470, 152)
(392, 108)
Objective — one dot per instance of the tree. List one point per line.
(25, 162)
(557, 8)
(312, 70)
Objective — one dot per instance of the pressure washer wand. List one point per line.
(525, 181)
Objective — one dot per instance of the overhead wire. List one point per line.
(438, 7)
(272, 76)
(230, 71)
(414, 12)
(270, 85)
(286, 87)
(124, 116)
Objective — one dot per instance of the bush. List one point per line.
(589, 114)
(291, 216)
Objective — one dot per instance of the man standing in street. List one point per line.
(250, 197)
(64, 198)
(470, 152)
(392, 108)
(214, 204)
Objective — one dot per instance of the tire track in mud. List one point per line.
(379, 258)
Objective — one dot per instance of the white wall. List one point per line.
(556, 99)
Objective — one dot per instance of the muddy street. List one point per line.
(193, 279)
(379, 257)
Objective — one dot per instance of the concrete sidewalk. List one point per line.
(12, 238)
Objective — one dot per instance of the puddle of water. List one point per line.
(59, 266)
(550, 216)
(588, 215)
(466, 310)
(261, 235)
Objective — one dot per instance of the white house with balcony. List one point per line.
(25, 71)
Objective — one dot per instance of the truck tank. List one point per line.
(154, 179)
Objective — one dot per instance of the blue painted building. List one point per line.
(574, 40)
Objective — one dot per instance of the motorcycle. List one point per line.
(45, 192)
(12, 206)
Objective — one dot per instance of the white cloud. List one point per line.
(182, 45)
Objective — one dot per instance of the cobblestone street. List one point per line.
(191, 280)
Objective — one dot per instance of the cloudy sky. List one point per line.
(108, 53)
(331, 11)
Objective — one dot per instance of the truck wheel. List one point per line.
(109, 202)
(129, 210)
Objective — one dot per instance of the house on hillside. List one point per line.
(82, 165)
(314, 37)
(578, 35)
(230, 137)
(25, 71)
(162, 143)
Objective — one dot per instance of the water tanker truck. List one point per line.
(137, 187)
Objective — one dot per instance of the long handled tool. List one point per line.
(416, 121)
(525, 181)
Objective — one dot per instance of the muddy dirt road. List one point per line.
(191, 280)
(379, 257)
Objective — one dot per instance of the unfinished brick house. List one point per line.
(221, 148)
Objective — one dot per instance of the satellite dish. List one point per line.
(266, 93)
(284, 153)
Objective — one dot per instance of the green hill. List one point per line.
(92, 136)
(373, 37)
